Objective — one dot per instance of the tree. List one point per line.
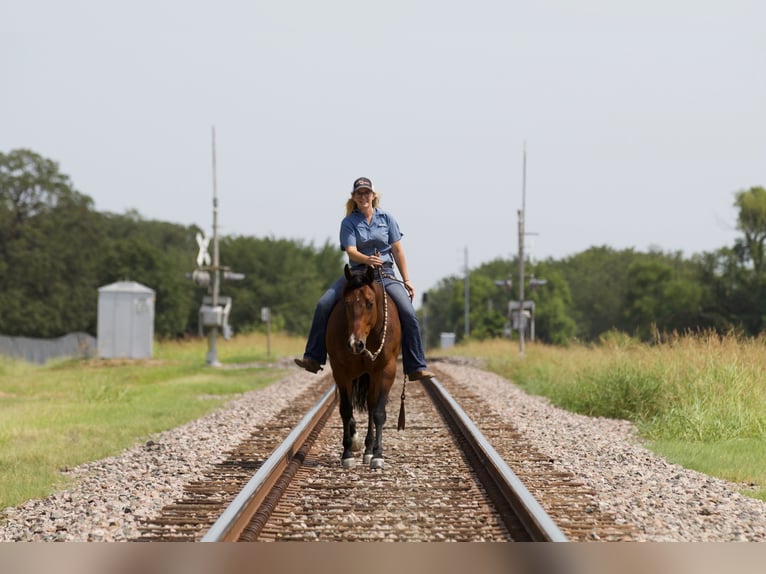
(751, 249)
(488, 313)
(157, 254)
(752, 221)
(31, 185)
(446, 310)
(553, 306)
(49, 249)
(661, 297)
(286, 276)
(720, 274)
(597, 280)
(490, 295)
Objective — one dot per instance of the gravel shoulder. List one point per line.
(662, 501)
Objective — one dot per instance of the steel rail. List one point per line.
(239, 512)
(539, 525)
(237, 516)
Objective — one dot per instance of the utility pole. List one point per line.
(522, 321)
(467, 298)
(425, 319)
(215, 308)
(212, 353)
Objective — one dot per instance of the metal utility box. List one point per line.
(524, 320)
(446, 340)
(215, 315)
(125, 321)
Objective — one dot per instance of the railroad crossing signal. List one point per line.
(203, 257)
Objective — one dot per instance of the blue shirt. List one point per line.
(380, 233)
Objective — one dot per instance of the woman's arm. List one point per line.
(397, 250)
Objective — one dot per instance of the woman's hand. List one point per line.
(374, 261)
(410, 289)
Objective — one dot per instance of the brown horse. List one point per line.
(363, 343)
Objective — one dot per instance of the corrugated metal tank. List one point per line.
(125, 321)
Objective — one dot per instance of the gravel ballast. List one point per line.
(662, 501)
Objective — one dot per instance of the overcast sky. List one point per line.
(641, 119)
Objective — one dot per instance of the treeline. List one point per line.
(56, 251)
(602, 289)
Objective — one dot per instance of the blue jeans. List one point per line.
(413, 357)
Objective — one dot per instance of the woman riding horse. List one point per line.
(371, 237)
(363, 342)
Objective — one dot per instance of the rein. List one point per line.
(374, 355)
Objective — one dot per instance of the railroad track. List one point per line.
(443, 480)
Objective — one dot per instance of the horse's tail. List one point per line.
(361, 387)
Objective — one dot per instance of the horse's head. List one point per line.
(361, 307)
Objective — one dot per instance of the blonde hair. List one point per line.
(351, 204)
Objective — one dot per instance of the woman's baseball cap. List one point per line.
(363, 183)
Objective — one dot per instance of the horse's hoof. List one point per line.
(367, 458)
(356, 443)
(376, 463)
(348, 462)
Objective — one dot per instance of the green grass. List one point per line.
(66, 413)
(737, 460)
(699, 401)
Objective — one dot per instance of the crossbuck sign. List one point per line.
(203, 257)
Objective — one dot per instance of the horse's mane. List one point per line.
(357, 279)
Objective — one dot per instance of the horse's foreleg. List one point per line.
(379, 419)
(368, 440)
(350, 437)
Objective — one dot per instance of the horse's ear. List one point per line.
(370, 274)
(347, 272)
